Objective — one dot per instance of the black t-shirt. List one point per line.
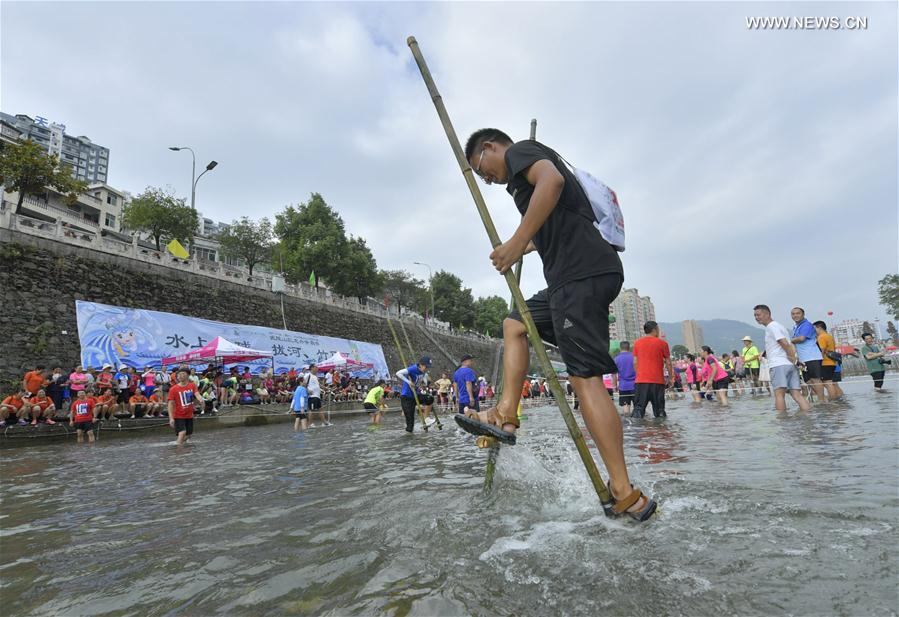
(569, 245)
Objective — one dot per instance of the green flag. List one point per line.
(312, 278)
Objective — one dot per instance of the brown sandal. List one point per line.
(620, 506)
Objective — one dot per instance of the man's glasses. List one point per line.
(477, 169)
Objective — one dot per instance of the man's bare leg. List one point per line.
(516, 357)
(800, 400)
(780, 403)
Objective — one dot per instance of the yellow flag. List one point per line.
(177, 250)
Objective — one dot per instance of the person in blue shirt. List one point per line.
(410, 377)
(465, 386)
(805, 338)
(298, 406)
(626, 377)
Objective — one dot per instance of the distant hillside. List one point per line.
(722, 335)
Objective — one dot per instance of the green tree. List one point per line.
(312, 238)
(891, 330)
(248, 240)
(867, 327)
(452, 302)
(161, 214)
(404, 290)
(679, 351)
(489, 314)
(357, 274)
(27, 168)
(888, 289)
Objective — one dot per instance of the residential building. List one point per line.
(848, 332)
(99, 209)
(631, 311)
(89, 161)
(692, 332)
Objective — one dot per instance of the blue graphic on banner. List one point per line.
(117, 335)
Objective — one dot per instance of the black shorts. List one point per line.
(837, 376)
(84, 426)
(425, 399)
(184, 424)
(123, 396)
(370, 407)
(721, 384)
(301, 415)
(315, 403)
(812, 370)
(575, 317)
(625, 397)
(646, 394)
(827, 372)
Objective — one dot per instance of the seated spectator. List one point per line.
(157, 406)
(105, 405)
(40, 406)
(13, 409)
(138, 404)
(208, 394)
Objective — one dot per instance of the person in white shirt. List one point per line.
(781, 356)
(314, 389)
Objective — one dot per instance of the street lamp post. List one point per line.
(193, 173)
(430, 283)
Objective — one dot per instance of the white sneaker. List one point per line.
(328, 424)
(430, 421)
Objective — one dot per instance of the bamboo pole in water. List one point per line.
(589, 464)
(412, 351)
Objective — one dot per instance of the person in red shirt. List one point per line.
(34, 380)
(13, 407)
(138, 404)
(81, 416)
(40, 406)
(105, 404)
(183, 397)
(104, 379)
(651, 356)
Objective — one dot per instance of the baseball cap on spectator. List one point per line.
(426, 360)
(122, 367)
(466, 357)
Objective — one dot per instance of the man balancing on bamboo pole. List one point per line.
(583, 275)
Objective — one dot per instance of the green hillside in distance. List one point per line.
(722, 335)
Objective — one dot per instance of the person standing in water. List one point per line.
(298, 406)
(782, 360)
(183, 397)
(372, 402)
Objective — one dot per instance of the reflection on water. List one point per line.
(761, 513)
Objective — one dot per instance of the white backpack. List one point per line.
(609, 220)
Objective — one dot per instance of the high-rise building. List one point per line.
(631, 311)
(89, 161)
(692, 335)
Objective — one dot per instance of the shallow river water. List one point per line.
(761, 514)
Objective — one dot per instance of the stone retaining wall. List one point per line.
(40, 280)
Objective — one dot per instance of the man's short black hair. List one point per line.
(624, 345)
(649, 326)
(761, 307)
(800, 309)
(478, 138)
(867, 334)
(820, 324)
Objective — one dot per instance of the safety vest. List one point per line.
(751, 351)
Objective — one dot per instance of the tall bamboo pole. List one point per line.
(589, 464)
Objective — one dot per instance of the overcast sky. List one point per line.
(752, 166)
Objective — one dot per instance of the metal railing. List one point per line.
(218, 270)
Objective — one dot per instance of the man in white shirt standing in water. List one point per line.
(315, 394)
(781, 357)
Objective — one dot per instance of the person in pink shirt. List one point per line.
(149, 381)
(714, 375)
(694, 378)
(78, 380)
